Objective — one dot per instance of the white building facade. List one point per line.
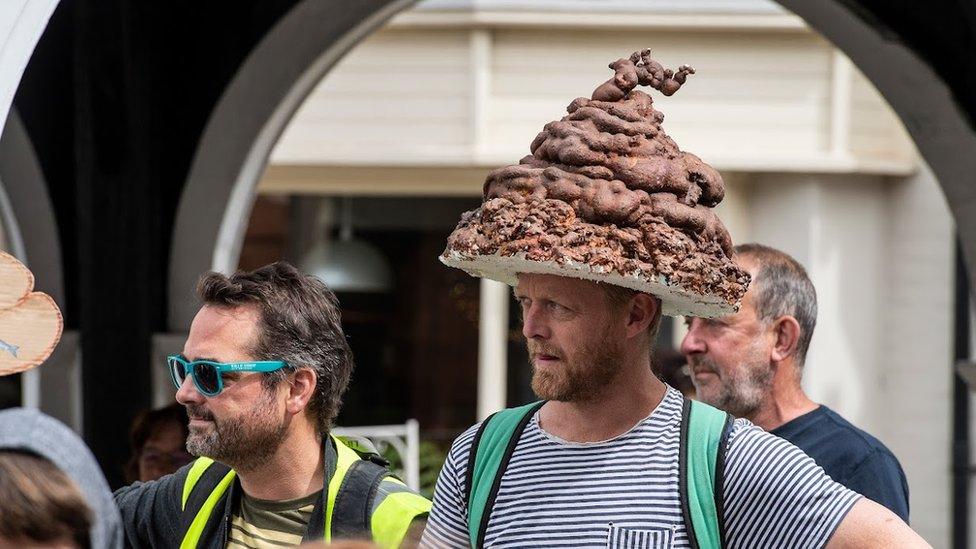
(815, 162)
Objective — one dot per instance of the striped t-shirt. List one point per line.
(624, 492)
(261, 524)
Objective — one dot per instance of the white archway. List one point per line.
(255, 108)
(32, 234)
(307, 42)
(921, 99)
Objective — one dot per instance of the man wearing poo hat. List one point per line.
(604, 228)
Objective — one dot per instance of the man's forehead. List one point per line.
(546, 283)
(747, 262)
(747, 309)
(215, 317)
(217, 331)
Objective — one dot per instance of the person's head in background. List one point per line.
(40, 506)
(158, 443)
(671, 367)
(741, 362)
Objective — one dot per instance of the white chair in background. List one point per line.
(404, 438)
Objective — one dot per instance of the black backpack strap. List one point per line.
(472, 455)
(316, 521)
(723, 444)
(353, 506)
(682, 470)
(315, 530)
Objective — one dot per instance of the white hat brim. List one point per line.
(675, 301)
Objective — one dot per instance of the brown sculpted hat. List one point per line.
(607, 196)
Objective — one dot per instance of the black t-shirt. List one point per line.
(850, 456)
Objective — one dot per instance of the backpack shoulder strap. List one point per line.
(206, 483)
(346, 459)
(491, 449)
(701, 469)
(351, 516)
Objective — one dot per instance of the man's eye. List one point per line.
(556, 307)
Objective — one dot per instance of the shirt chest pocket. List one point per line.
(632, 538)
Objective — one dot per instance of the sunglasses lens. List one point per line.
(177, 371)
(207, 378)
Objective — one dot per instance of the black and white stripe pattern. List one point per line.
(624, 492)
(620, 538)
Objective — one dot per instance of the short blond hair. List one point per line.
(618, 296)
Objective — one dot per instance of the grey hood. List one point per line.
(30, 430)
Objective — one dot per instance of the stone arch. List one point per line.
(28, 216)
(921, 99)
(243, 128)
(31, 231)
(309, 40)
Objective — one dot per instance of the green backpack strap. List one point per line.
(491, 449)
(701, 468)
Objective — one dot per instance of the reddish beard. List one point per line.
(582, 378)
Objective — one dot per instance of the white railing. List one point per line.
(404, 438)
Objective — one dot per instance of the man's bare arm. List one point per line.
(871, 525)
(416, 531)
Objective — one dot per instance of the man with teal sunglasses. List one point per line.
(208, 376)
(261, 375)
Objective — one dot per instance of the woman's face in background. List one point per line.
(164, 452)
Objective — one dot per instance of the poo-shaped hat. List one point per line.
(607, 196)
(30, 322)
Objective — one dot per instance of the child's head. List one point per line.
(40, 506)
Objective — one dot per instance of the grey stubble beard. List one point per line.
(243, 442)
(741, 396)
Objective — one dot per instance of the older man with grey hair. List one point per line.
(751, 364)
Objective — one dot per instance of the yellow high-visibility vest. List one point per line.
(208, 482)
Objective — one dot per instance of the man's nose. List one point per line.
(534, 325)
(692, 342)
(188, 393)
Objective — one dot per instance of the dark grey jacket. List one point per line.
(151, 513)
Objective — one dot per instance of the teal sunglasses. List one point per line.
(208, 376)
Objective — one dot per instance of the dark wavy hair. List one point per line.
(300, 324)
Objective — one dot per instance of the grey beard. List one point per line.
(243, 442)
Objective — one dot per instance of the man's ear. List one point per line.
(786, 330)
(642, 311)
(300, 390)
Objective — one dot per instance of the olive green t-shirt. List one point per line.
(262, 524)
